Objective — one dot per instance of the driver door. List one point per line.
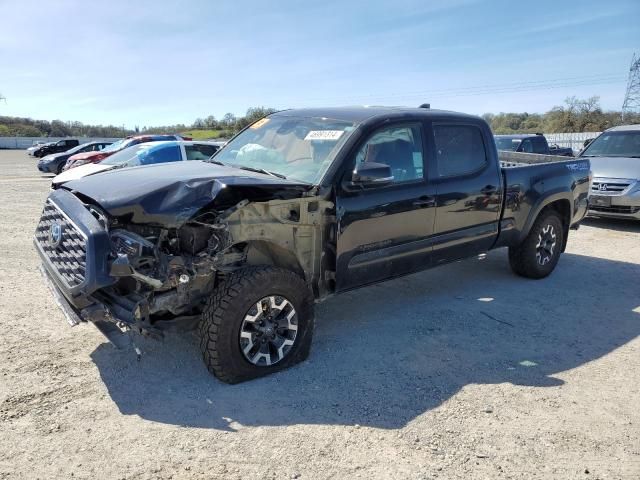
(384, 231)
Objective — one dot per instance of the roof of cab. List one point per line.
(359, 114)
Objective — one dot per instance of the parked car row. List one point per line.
(98, 156)
(147, 153)
(55, 162)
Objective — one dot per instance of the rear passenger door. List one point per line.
(469, 191)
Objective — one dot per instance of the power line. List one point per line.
(522, 86)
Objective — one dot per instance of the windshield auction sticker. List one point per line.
(259, 123)
(324, 135)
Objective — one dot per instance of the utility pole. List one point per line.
(631, 102)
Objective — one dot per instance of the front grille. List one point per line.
(69, 257)
(621, 209)
(613, 188)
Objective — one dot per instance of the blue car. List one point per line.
(148, 153)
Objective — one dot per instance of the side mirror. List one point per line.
(371, 174)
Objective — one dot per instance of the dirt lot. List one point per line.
(466, 371)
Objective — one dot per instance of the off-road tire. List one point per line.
(523, 258)
(225, 312)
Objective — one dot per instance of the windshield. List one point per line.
(114, 147)
(507, 143)
(615, 144)
(129, 156)
(78, 148)
(295, 147)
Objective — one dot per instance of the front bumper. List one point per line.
(70, 313)
(616, 206)
(110, 328)
(71, 214)
(44, 167)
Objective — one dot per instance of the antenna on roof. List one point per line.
(425, 105)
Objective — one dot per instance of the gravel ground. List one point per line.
(465, 371)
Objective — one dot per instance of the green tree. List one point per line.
(59, 129)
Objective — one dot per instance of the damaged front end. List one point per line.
(120, 268)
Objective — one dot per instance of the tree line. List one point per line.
(576, 115)
(225, 127)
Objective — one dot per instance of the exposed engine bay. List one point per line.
(165, 275)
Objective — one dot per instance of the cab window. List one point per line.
(400, 147)
(459, 149)
(526, 146)
(539, 145)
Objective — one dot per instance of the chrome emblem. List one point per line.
(602, 187)
(55, 235)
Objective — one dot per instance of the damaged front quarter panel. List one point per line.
(293, 234)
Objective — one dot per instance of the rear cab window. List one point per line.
(460, 149)
(539, 145)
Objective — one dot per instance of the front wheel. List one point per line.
(259, 320)
(538, 255)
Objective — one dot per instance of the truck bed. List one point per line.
(518, 159)
(530, 180)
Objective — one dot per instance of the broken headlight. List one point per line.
(131, 244)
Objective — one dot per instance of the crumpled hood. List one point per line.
(170, 194)
(615, 167)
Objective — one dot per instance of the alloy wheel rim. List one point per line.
(268, 331)
(546, 245)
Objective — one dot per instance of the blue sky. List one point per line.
(156, 63)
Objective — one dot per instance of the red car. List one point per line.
(97, 157)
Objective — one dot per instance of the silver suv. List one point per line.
(615, 163)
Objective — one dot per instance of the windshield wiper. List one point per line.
(217, 162)
(262, 170)
(250, 169)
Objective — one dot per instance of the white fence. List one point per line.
(26, 142)
(573, 140)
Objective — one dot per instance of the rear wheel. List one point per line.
(538, 255)
(258, 321)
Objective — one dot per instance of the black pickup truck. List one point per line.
(56, 147)
(299, 206)
(531, 143)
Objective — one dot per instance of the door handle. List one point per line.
(425, 202)
(489, 190)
